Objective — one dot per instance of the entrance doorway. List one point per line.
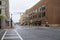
(0, 23)
(38, 23)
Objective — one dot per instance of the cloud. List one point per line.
(20, 6)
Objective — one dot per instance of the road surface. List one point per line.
(35, 33)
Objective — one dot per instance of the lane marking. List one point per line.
(10, 37)
(10, 34)
(4, 35)
(18, 35)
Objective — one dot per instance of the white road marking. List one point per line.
(10, 34)
(10, 37)
(4, 35)
(18, 35)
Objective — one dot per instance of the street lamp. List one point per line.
(11, 20)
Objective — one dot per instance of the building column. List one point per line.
(3, 23)
(3, 19)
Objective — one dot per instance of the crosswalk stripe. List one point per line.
(10, 34)
(10, 37)
(4, 35)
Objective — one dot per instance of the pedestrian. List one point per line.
(46, 24)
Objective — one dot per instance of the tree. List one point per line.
(1, 16)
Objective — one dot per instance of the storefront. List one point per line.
(0, 23)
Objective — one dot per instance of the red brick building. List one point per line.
(45, 10)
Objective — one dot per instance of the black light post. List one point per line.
(11, 20)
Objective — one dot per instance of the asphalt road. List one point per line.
(39, 33)
(35, 33)
(11, 35)
(2, 33)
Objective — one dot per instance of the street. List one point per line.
(29, 20)
(35, 33)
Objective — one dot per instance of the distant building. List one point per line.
(23, 19)
(4, 14)
(45, 11)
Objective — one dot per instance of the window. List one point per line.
(36, 11)
(43, 7)
(40, 8)
(43, 14)
(0, 11)
(39, 15)
(0, 2)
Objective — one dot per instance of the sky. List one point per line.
(17, 6)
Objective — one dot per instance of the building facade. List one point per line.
(23, 20)
(45, 11)
(4, 14)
